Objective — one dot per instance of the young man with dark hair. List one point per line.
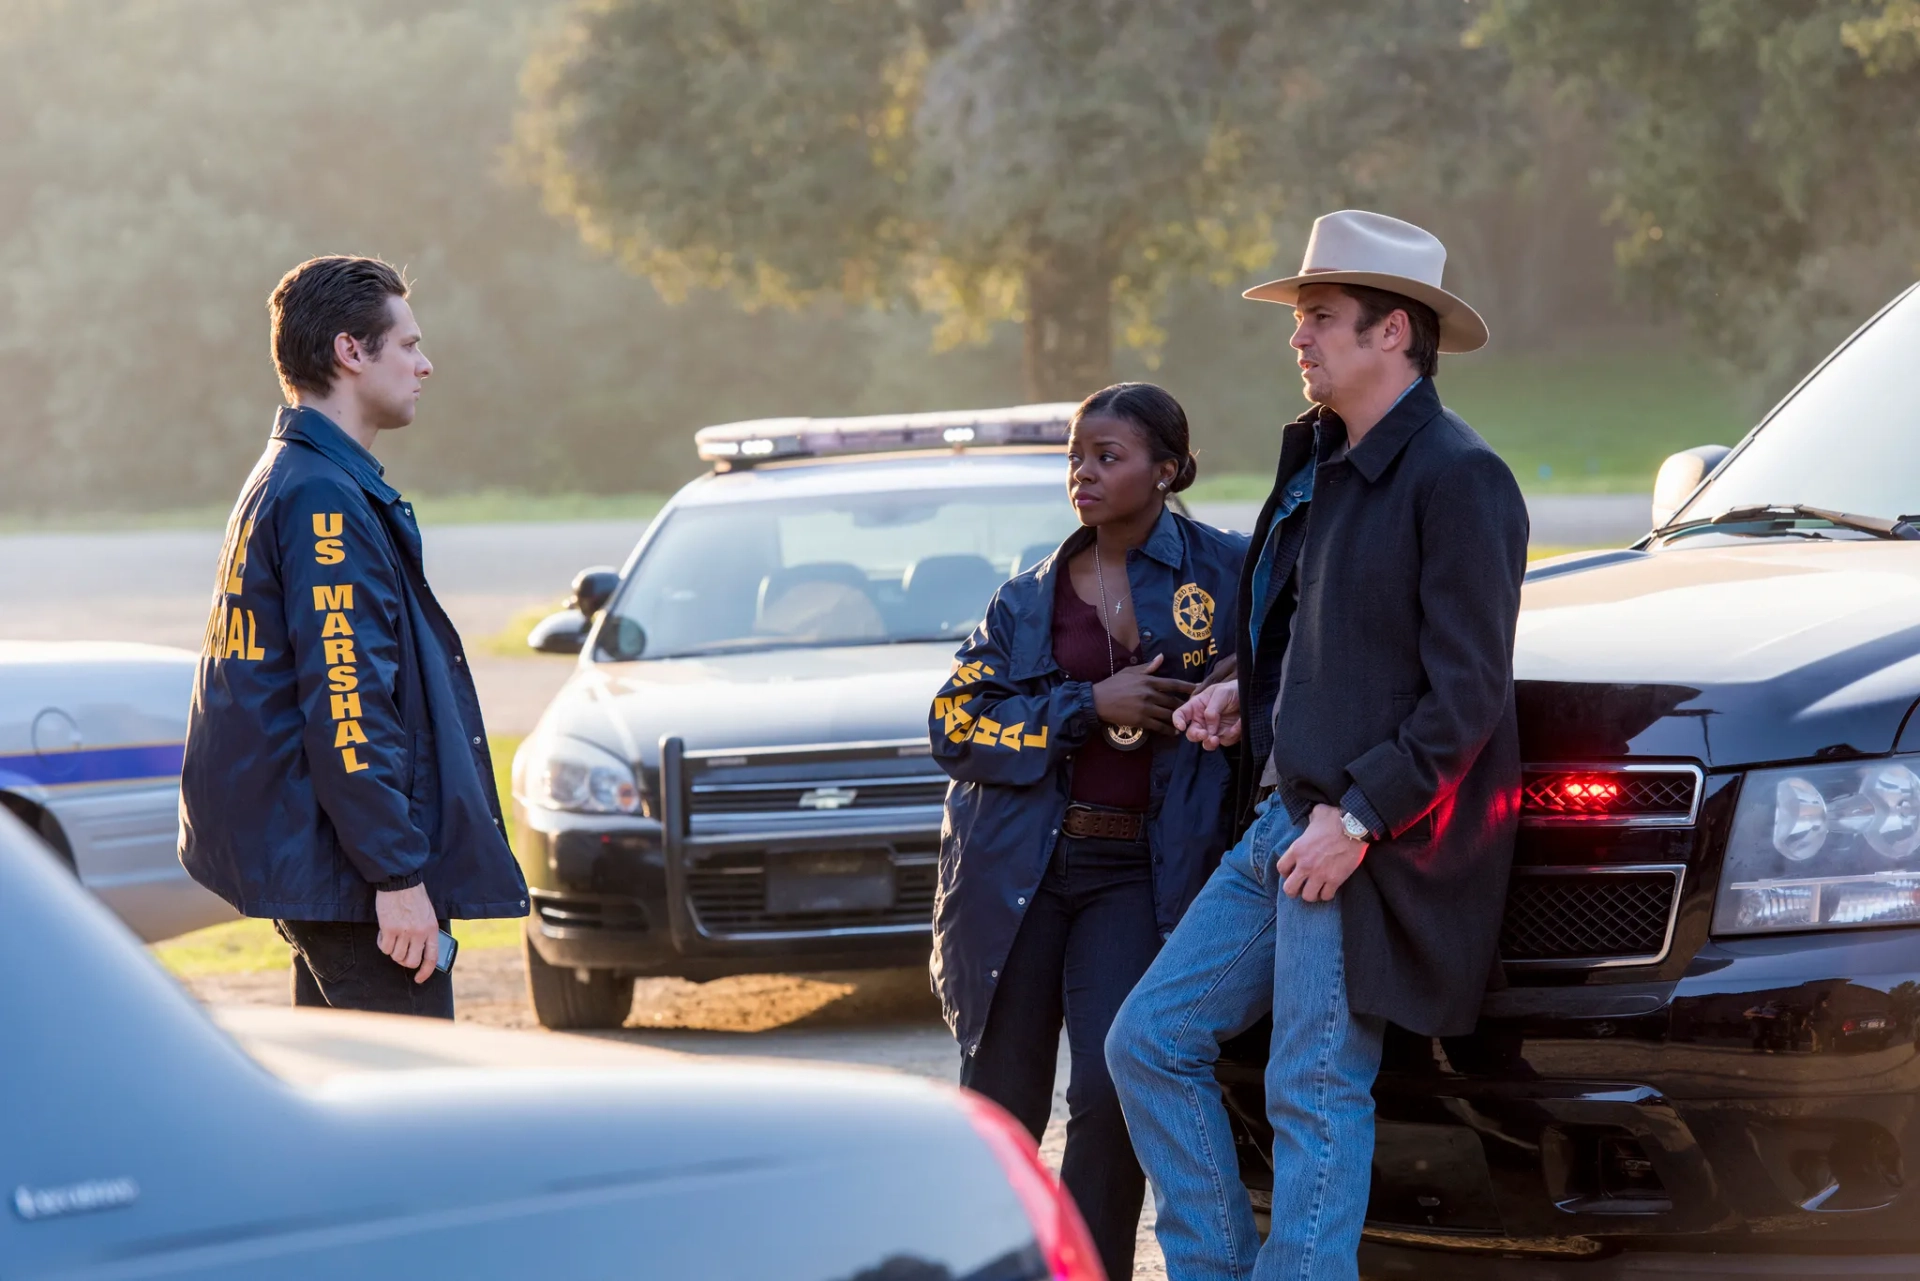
(336, 777)
(1375, 683)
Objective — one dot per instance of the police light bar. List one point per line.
(767, 439)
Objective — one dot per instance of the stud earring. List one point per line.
(1163, 484)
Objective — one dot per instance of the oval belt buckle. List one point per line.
(1125, 738)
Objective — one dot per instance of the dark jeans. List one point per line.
(1085, 941)
(339, 965)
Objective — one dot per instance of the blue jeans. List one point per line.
(1244, 949)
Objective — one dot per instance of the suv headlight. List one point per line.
(1823, 847)
(567, 774)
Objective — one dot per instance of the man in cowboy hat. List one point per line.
(1374, 676)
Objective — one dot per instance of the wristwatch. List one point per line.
(1354, 828)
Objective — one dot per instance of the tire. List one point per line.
(561, 999)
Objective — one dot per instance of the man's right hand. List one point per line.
(1135, 696)
(1211, 717)
(409, 931)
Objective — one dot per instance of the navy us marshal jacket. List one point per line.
(334, 745)
(1006, 724)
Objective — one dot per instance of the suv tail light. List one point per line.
(1058, 1229)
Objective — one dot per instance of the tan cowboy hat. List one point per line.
(1354, 247)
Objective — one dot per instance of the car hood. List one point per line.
(786, 697)
(1769, 651)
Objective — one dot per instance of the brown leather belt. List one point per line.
(1088, 823)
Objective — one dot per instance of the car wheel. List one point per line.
(563, 999)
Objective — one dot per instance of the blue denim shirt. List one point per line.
(1297, 493)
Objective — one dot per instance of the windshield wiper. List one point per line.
(1898, 528)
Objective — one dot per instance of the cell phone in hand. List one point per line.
(449, 945)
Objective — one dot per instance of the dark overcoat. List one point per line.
(1007, 723)
(1397, 678)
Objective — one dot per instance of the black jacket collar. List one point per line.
(1379, 447)
(317, 431)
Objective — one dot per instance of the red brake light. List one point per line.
(1058, 1228)
(1590, 791)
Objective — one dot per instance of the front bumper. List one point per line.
(669, 896)
(1759, 1112)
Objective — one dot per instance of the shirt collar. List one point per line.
(312, 428)
(1418, 405)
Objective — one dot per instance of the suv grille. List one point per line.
(1622, 917)
(1563, 794)
(733, 900)
(822, 797)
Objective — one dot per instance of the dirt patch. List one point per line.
(490, 987)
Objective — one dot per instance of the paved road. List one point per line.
(154, 585)
(538, 560)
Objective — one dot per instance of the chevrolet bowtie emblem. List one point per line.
(827, 798)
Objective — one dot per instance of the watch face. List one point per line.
(1355, 828)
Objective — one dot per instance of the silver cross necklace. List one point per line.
(1124, 737)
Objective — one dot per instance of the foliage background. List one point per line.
(162, 162)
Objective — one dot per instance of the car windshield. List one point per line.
(854, 569)
(1846, 442)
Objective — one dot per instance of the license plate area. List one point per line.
(829, 881)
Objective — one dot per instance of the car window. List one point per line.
(1847, 441)
(857, 569)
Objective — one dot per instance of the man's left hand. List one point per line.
(1320, 861)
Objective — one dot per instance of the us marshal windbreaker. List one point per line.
(334, 744)
(1007, 722)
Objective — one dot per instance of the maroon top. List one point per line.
(1102, 774)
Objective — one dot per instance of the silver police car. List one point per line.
(91, 736)
(736, 777)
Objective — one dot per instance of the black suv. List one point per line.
(1705, 1062)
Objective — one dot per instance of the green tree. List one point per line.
(1763, 154)
(1063, 163)
(162, 162)
(1033, 161)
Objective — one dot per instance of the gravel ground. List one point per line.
(881, 1018)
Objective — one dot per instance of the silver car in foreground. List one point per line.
(138, 1140)
(91, 736)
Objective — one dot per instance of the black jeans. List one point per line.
(1086, 939)
(339, 965)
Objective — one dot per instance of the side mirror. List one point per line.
(592, 588)
(622, 639)
(561, 633)
(1680, 475)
